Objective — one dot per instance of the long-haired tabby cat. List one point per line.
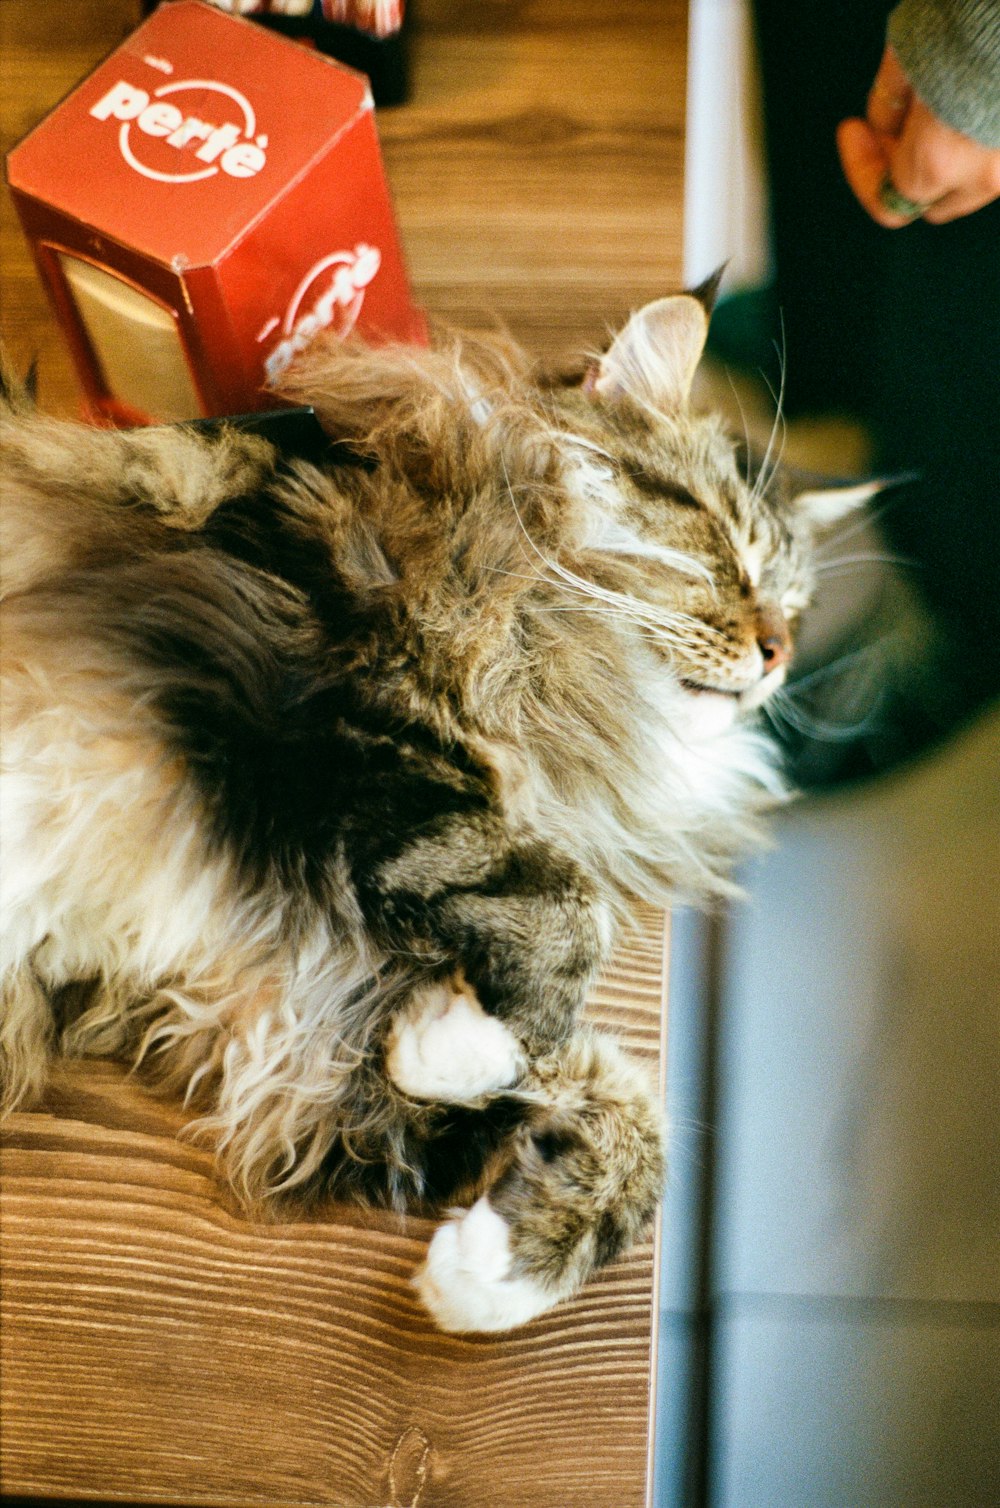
(326, 786)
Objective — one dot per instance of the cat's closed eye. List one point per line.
(662, 489)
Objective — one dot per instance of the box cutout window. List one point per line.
(135, 340)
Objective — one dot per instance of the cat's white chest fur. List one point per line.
(707, 758)
(680, 792)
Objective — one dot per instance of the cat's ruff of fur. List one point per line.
(295, 759)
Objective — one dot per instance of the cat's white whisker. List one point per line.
(629, 608)
(612, 538)
(765, 476)
(865, 656)
(868, 519)
(563, 436)
(746, 428)
(865, 557)
(782, 709)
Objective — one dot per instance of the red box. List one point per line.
(201, 206)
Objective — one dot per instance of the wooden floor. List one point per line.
(156, 1348)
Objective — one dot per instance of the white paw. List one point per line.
(464, 1283)
(445, 1047)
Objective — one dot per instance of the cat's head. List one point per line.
(710, 553)
(612, 489)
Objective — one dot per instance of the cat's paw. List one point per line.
(467, 1283)
(443, 1046)
(578, 1181)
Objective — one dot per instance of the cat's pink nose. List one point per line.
(773, 637)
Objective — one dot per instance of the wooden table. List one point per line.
(156, 1348)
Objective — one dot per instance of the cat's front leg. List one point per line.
(526, 933)
(578, 1182)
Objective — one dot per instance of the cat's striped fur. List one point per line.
(326, 787)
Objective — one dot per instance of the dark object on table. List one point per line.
(371, 37)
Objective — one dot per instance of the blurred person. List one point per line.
(901, 331)
(929, 146)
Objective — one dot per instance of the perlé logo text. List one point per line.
(328, 297)
(203, 147)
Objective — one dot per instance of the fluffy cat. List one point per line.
(326, 787)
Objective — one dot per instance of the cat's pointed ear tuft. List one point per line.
(707, 292)
(654, 358)
(826, 504)
(17, 393)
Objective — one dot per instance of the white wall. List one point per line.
(725, 201)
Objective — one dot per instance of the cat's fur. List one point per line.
(325, 788)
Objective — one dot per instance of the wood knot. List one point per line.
(408, 1467)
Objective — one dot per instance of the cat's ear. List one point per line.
(827, 504)
(654, 358)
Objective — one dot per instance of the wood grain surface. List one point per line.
(155, 1347)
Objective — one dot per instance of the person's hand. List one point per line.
(903, 146)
